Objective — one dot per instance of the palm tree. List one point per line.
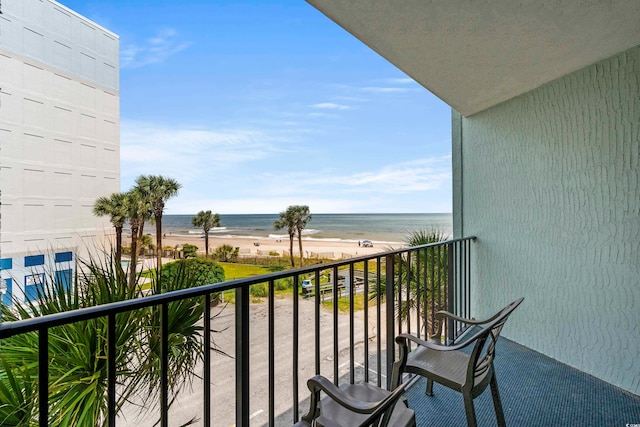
(288, 220)
(206, 220)
(302, 216)
(157, 189)
(115, 207)
(137, 212)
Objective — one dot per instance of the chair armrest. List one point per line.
(403, 338)
(442, 314)
(374, 409)
(320, 383)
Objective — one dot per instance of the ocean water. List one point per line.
(380, 228)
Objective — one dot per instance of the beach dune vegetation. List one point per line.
(227, 253)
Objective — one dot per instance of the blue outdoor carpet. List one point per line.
(535, 391)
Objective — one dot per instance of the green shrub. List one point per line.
(189, 250)
(259, 290)
(283, 284)
(226, 253)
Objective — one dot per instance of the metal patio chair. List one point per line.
(468, 372)
(356, 405)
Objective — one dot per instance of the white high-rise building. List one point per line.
(59, 140)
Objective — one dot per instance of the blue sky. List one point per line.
(253, 106)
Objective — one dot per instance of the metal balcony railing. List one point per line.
(397, 291)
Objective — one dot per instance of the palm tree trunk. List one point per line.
(158, 245)
(119, 245)
(291, 250)
(134, 256)
(206, 244)
(300, 247)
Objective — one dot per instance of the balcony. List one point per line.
(263, 352)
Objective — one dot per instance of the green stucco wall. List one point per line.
(549, 182)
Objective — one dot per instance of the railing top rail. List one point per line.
(8, 329)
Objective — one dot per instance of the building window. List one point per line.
(33, 285)
(33, 260)
(6, 264)
(63, 279)
(6, 287)
(64, 256)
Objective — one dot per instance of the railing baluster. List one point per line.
(316, 315)
(399, 281)
(164, 365)
(450, 292)
(242, 357)
(43, 376)
(296, 321)
(468, 270)
(271, 350)
(351, 289)
(111, 369)
(433, 291)
(418, 292)
(366, 320)
(378, 320)
(336, 374)
(207, 360)
(408, 304)
(390, 314)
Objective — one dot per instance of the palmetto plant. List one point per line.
(77, 359)
(421, 276)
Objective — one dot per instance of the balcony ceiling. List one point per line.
(475, 54)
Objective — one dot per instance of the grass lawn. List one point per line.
(238, 271)
(343, 303)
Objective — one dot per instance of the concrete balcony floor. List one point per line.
(536, 391)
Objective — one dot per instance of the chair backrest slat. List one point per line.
(481, 357)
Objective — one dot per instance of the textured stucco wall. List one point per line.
(550, 185)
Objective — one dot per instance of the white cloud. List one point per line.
(193, 154)
(331, 106)
(405, 186)
(385, 89)
(416, 175)
(402, 80)
(155, 50)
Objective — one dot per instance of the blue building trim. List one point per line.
(6, 264)
(33, 260)
(64, 256)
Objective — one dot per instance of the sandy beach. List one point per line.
(312, 248)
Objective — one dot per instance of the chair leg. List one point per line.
(429, 391)
(497, 403)
(469, 409)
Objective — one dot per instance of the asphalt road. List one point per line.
(188, 405)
